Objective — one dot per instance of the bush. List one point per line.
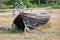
(52, 4)
(56, 6)
(29, 5)
(3, 6)
(42, 5)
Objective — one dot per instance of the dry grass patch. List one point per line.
(6, 20)
(49, 31)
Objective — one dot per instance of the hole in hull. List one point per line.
(18, 21)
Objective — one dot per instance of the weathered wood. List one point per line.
(29, 21)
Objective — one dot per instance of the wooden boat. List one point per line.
(29, 21)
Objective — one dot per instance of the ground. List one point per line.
(49, 31)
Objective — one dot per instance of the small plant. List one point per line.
(15, 30)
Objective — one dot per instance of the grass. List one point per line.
(6, 21)
(49, 31)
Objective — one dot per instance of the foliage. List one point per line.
(3, 6)
(42, 5)
(56, 6)
(28, 3)
(15, 30)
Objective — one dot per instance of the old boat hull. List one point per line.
(31, 20)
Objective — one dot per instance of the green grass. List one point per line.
(11, 31)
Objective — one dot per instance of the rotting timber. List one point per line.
(29, 21)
